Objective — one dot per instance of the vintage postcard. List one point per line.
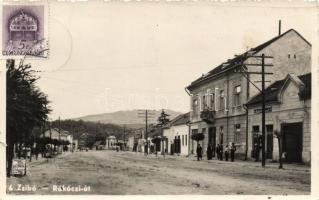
(159, 98)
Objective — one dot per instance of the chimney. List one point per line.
(279, 31)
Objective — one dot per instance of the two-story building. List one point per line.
(218, 98)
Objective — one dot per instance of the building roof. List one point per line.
(97, 143)
(179, 120)
(272, 92)
(235, 62)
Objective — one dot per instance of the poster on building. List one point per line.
(19, 167)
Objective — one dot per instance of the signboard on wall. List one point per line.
(18, 167)
(267, 109)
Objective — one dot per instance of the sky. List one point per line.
(111, 56)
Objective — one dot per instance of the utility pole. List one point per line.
(59, 132)
(145, 115)
(263, 131)
(124, 143)
(262, 91)
(145, 124)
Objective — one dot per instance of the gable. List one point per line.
(289, 96)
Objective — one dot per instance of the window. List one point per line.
(221, 100)
(255, 129)
(194, 131)
(204, 102)
(237, 133)
(237, 91)
(289, 56)
(212, 101)
(182, 140)
(204, 131)
(195, 105)
(186, 140)
(295, 56)
(221, 134)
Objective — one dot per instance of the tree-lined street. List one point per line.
(110, 172)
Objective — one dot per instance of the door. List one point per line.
(269, 132)
(212, 138)
(292, 141)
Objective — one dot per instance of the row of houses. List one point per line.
(226, 104)
(61, 135)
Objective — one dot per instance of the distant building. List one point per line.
(60, 135)
(110, 142)
(82, 140)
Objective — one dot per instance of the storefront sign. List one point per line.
(18, 167)
(267, 109)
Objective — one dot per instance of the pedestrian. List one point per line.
(221, 150)
(209, 152)
(232, 152)
(199, 152)
(226, 152)
(36, 151)
(217, 151)
(256, 148)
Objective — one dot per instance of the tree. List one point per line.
(279, 136)
(198, 137)
(26, 106)
(162, 121)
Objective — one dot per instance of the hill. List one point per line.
(128, 118)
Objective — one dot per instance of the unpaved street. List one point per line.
(109, 172)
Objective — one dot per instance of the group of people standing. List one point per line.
(229, 151)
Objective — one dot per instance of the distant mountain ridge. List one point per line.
(128, 118)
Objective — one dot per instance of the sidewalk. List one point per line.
(242, 163)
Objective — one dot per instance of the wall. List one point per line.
(292, 44)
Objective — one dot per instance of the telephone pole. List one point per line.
(145, 115)
(263, 123)
(262, 91)
(60, 133)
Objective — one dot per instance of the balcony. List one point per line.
(208, 116)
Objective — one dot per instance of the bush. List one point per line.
(198, 136)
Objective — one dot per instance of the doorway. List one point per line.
(212, 138)
(292, 141)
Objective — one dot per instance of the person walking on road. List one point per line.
(217, 151)
(226, 152)
(232, 152)
(209, 152)
(199, 152)
(221, 152)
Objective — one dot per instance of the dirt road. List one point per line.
(109, 172)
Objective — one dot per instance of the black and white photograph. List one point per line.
(159, 98)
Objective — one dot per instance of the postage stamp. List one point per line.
(23, 31)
